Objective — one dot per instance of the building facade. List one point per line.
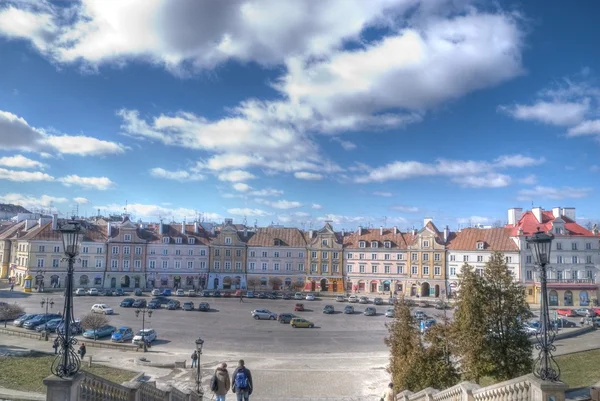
(228, 257)
(126, 255)
(324, 260)
(276, 259)
(376, 261)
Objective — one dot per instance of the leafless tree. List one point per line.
(10, 312)
(253, 282)
(275, 283)
(298, 285)
(93, 321)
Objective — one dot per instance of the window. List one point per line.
(425, 257)
(152, 264)
(373, 269)
(238, 253)
(115, 250)
(373, 256)
(480, 245)
(324, 268)
(84, 263)
(238, 266)
(313, 254)
(178, 240)
(264, 266)
(288, 267)
(165, 251)
(559, 259)
(528, 259)
(99, 250)
(336, 255)
(386, 256)
(288, 254)
(191, 241)
(400, 269)
(276, 266)
(559, 274)
(277, 242)
(574, 259)
(114, 264)
(374, 244)
(217, 252)
(228, 240)
(137, 264)
(264, 254)
(349, 256)
(589, 274)
(178, 252)
(165, 264)
(40, 263)
(399, 256)
(588, 259)
(437, 257)
(126, 250)
(361, 255)
(323, 255)
(203, 265)
(99, 263)
(190, 252)
(165, 240)
(252, 254)
(465, 258)
(509, 259)
(325, 242)
(425, 244)
(335, 269)
(84, 249)
(452, 258)
(301, 267)
(575, 275)
(313, 267)
(127, 237)
(453, 271)
(41, 248)
(529, 275)
(217, 265)
(387, 244)
(414, 256)
(479, 258)
(426, 270)
(437, 270)
(56, 263)
(588, 246)
(227, 253)
(57, 249)
(202, 252)
(349, 268)
(362, 244)
(559, 246)
(227, 266)
(138, 250)
(415, 270)
(152, 251)
(300, 254)
(251, 266)
(126, 265)
(361, 268)
(574, 246)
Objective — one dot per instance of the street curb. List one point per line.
(89, 343)
(570, 334)
(12, 332)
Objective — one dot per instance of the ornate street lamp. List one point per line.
(199, 344)
(545, 367)
(47, 302)
(67, 363)
(143, 311)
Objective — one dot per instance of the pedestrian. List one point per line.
(242, 382)
(12, 286)
(388, 394)
(241, 297)
(194, 358)
(82, 351)
(55, 345)
(220, 383)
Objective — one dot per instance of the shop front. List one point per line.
(568, 293)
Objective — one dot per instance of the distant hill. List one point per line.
(10, 208)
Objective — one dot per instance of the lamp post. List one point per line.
(48, 302)
(67, 363)
(544, 367)
(143, 311)
(199, 344)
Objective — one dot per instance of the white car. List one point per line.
(420, 315)
(389, 312)
(93, 291)
(102, 308)
(353, 299)
(156, 292)
(340, 298)
(298, 296)
(263, 314)
(180, 293)
(148, 334)
(80, 291)
(310, 297)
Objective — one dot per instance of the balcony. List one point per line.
(579, 283)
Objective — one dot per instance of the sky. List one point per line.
(362, 113)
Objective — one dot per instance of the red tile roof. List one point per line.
(494, 239)
(529, 224)
(398, 241)
(291, 237)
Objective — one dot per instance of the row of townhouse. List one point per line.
(423, 263)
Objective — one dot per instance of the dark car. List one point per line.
(139, 303)
(203, 307)
(217, 293)
(75, 327)
(349, 310)
(21, 320)
(286, 295)
(285, 317)
(49, 326)
(378, 301)
(563, 323)
(188, 306)
(158, 303)
(153, 304)
(31, 324)
(119, 292)
(226, 294)
(206, 293)
(272, 295)
(328, 309)
(262, 295)
(166, 292)
(127, 302)
(173, 304)
(138, 292)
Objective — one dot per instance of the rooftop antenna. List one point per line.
(255, 223)
(245, 221)
(385, 221)
(125, 208)
(303, 224)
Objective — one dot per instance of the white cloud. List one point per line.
(99, 183)
(541, 192)
(280, 204)
(518, 161)
(31, 202)
(346, 145)
(384, 194)
(588, 127)
(24, 176)
(554, 113)
(248, 190)
(178, 175)
(337, 219)
(491, 180)
(474, 220)
(247, 212)
(20, 161)
(529, 180)
(81, 201)
(304, 175)
(17, 134)
(405, 209)
(236, 175)
(316, 206)
(241, 187)
(154, 212)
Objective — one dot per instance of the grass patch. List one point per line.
(26, 373)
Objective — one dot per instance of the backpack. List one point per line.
(241, 379)
(214, 384)
(194, 356)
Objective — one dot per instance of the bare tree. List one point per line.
(275, 283)
(298, 285)
(93, 321)
(253, 282)
(236, 282)
(10, 312)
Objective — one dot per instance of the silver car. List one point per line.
(263, 314)
(389, 312)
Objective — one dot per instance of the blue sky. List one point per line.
(299, 112)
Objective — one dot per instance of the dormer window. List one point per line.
(387, 244)
(325, 242)
(480, 245)
(178, 240)
(191, 241)
(558, 230)
(228, 240)
(362, 244)
(374, 244)
(277, 242)
(165, 240)
(425, 244)
(127, 237)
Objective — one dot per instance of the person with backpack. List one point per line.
(389, 394)
(242, 382)
(194, 358)
(220, 382)
(55, 345)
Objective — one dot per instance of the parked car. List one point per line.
(250, 294)
(206, 293)
(75, 327)
(349, 310)
(203, 307)
(285, 317)
(122, 334)
(420, 315)
(191, 293)
(353, 299)
(154, 304)
(393, 301)
(299, 322)
(155, 292)
(310, 297)
(272, 295)
(299, 308)
(188, 306)
(262, 295)
(363, 300)
(586, 312)
(286, 295)
(148, 334)
(50, 326)
(166, 292)
(389, 312)
(180, 293)
(119, 292)
(139, 303)
(298, 296)
(105, 292)
(18, 322)
(340, 298)
(216, 294)
(427, 324)
(103, 331)
(328, 309)
(529, 330)
(102, 308)
(566, 312)
(263, 314)
(226, 294)
(80, 291)
(561, 322)
(138, 292)
(92, 291)
(370, 311)
(127, 302)
(441, 305)
(31, 324)
(378, 301)
(173, 304)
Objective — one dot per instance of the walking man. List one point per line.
(55, 345)
(241, 297)
(12, 286)
(82, 351)
(242, 382)
(222, 382)
(194, 358)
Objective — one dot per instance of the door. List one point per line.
(113, 282)
(374, 287)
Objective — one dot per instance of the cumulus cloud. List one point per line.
(99, 183)
(405, 209)
(542, 192)
(588, 127)
(30, 201)
(488, 181)
(280, 204)
(81, 201)
(316, 206)
(304, 175)
(247, 212)
(236, 175)
(384, 194)
(555, 113)
(346, 145)
(154, 212)
(17, 134)
(178, 175)
(474, 220)
(24, 176)
(20, 161)
(248, 190)
(338, 219)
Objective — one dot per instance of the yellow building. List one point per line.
(228, 257)
(324, 260)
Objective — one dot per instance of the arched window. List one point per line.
(263, 281)
(83, 280)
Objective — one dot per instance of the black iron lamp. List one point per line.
(199, 344)
(143, 312)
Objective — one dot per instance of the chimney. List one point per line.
(556, 212)
(359, 230)
(310, 234)
(183, 227)
(343, 233)
(427, 220)
(196, 227)
(395, 230)
(108, 230)
(54, 222)
(381, 230)
(161, 230)
(537, 212)
(446, 233)
(569, 212)
(514, 215)
(414, 231)
(212, 230)
(520, 231)
(595, 229)
(245, 231)
(228, 221)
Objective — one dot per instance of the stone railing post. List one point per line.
(542, 390)
(58, 389)
(404, 396)
(595, 392)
